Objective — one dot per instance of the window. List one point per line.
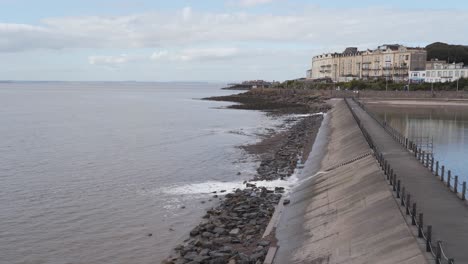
(450, 74)
(457, 73)
(444, 74)
(462, 74)
(433, 74)
(407, 57)
(439, 73)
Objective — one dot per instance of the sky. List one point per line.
(206, 40)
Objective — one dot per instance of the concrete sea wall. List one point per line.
(346, 213)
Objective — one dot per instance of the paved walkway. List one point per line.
(345, 214)
(447, 214)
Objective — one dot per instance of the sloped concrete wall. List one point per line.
(347, 214)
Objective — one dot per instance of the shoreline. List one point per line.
(232, 231)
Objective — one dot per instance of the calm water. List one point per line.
(445, 126)
(88, 170)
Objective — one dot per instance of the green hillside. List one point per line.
(447, 52)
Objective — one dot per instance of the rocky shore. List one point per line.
(282, 101)
(232, 232)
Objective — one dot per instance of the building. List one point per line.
(391, 62)
(441, 71)
(309, 74)
(417, 76)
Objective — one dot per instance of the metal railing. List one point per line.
(427, 159)
(400, 191)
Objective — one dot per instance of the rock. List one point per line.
(226, 249)
(222, 191)
(215, 196)
(218, 255)
(264, 243)
(195, 232)
(219, 230)
(234, 232)
(218, 261)
(250, 185)
(180, 261)
(258, 249)
(239, 173)
(256, 257)
(150, 234)
(207, 234)
(286, 201)
(190, 255)
(201, 258)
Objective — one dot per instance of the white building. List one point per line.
(441, 71)
(417, 76)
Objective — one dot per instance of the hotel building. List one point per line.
(391, 62)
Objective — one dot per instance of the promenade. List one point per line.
(346, 213)
(442, 209)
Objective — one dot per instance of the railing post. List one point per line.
(464, 191)
(429, 238)
(437, 169)
(388, 171)
(442, 174)
(413, 217)
(391, 176)
(408, 200)
(423, 159)
(421, 225)
(451, 261)
(438, 252)
(394, 182)
(403, 196)
(449, 176)
(455, 184)
(432, 164)
(398, 189)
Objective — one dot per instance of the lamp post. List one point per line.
(386, 83)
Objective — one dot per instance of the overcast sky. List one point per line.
(213, 40)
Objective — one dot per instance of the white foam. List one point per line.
(307, 115)
(212, 186)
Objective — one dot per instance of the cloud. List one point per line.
(186, 28)
(207, 54)
(108, 60)
(159, 55)
(186, 13)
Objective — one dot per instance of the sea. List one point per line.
(115, 172)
